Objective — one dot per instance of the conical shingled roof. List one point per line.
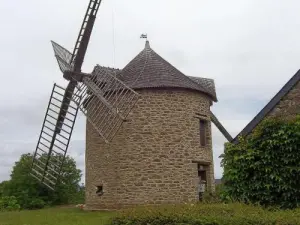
(149, 70)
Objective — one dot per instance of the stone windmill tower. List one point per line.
(163, 146)
(148, 137)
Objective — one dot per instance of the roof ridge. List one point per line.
(269, 106)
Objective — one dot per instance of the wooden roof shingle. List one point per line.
(149, 70)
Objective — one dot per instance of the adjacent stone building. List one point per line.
(286, 103)
(163, 147)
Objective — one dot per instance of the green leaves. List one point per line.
(30, 194)
(9, 203)
(265, 167)
(205, 214)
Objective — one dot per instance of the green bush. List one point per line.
(206, 214)
(30, 194)
(213, 197)
(264, 167)
(36, 203)
(9, 203)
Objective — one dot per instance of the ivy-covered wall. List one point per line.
(264, 168)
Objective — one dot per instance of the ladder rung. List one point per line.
(54, 178)
(64, 131)
(35, 177)
(61, 142)
(58, 93)
(63, 137)
(49, 127)
(59, 87)
(53, 170)
(59, 148)
(42, 150)
(39, 167)
(53, 110)
(69, 112)
(62, 123)
(45, 139)
(51, 163)
(48, 186)
(52, 117)
(56, 99)
(41, 162)
(55, 105)
(50, 173)
(50, 123)
(70, 99)
(50, 181)
(52, 150)
(47, 134)
(38, 155)
(38, 173)
(44, 145)
(54, 164)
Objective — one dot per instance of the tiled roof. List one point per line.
(208, 83)
(149, 70)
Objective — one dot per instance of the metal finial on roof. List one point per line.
(147, 45)
(145, 36)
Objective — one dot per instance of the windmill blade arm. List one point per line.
(221, 128)
(85, 34)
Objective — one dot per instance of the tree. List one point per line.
(31, 194)
(264, 168)
(2, 185)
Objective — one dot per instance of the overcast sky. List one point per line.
(250, 48)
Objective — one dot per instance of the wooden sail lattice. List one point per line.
(52, 145)
(106, 101)
(63, 57)
(58, 126)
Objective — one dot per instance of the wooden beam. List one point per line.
(220, 127)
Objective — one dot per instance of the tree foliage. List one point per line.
(30, 194)
(264, 168)
(9, 203)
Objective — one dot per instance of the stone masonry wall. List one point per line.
(152, 158)
(289, 104)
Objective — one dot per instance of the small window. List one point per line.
(202, 132)
(99, 191)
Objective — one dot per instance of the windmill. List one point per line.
(103, 99)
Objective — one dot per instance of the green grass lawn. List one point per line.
(55, 216)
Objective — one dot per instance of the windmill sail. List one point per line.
(63, 57)
(52, 146)
(106, 101)
(50, 143)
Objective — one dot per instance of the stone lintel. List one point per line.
(204, 163)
